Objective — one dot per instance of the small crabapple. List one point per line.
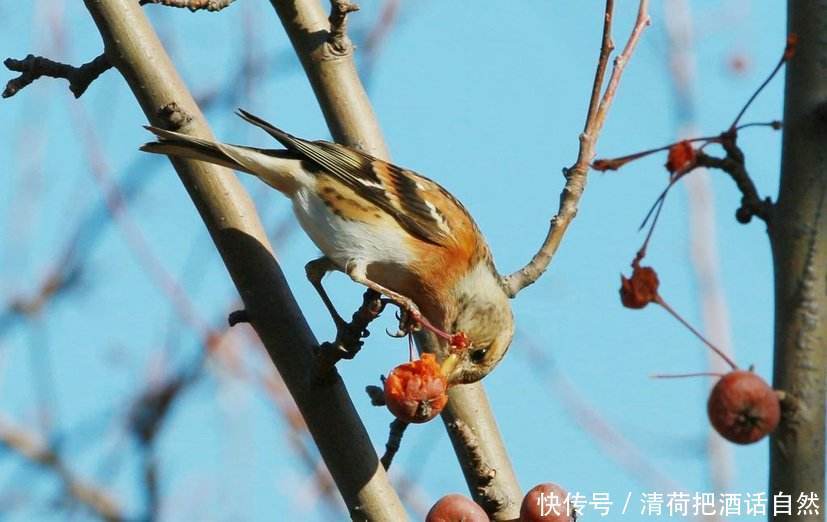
(416, 391)
(456, 508)
(546, 502)
(743, 408)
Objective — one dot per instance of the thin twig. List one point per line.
(33, 67)
(34, 449)
(576, 175)
(192, 5)
(397, 429)
(349, 338)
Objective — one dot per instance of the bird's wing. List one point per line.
(421, 206)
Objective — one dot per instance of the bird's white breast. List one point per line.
(347, 241)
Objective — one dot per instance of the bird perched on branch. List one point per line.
(386, 227)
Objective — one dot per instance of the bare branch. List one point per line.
(349, 339)
(35, 450)
(576, 175)
(33, 67)
(192, 5)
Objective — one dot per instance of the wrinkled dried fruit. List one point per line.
(743, 408)
(546, 502)
(416, 391)
(640, 289)
(456, 508)
(681, 156)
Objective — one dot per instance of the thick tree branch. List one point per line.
(576, 174)
(33, 67)
(192, 5)
(351, 121)
(799, 245)
(34, 449)
(133, 47)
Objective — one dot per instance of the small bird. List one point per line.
(388, 228)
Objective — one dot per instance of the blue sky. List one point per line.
(488, 101)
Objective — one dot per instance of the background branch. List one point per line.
(34, 449)
(237, 232)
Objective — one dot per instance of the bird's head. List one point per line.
(482, 311)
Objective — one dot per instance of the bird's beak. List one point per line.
(449, 365)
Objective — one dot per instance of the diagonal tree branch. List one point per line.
(134, 49)
(577, 173)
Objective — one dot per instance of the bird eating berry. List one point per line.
(386, 227)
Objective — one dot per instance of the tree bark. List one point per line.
(134, 49)
(351, 121)
(799, 246)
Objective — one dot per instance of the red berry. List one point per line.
(416, 391)
(546, 502)
(456, 508)
(681, 157)
(640, 289)
(743, 408)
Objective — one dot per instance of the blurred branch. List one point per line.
(608, 437)
(62, 278)
(576, 175)
(679, 23)
(237, 232)
(192, 5)
(376, 38)
(33, 67)
(31, 447)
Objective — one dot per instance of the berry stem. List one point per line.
(682, 375)
(711, 346)
(781, 62)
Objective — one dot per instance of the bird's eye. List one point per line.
(478, 355)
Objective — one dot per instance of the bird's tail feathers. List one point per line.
(278, 168)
